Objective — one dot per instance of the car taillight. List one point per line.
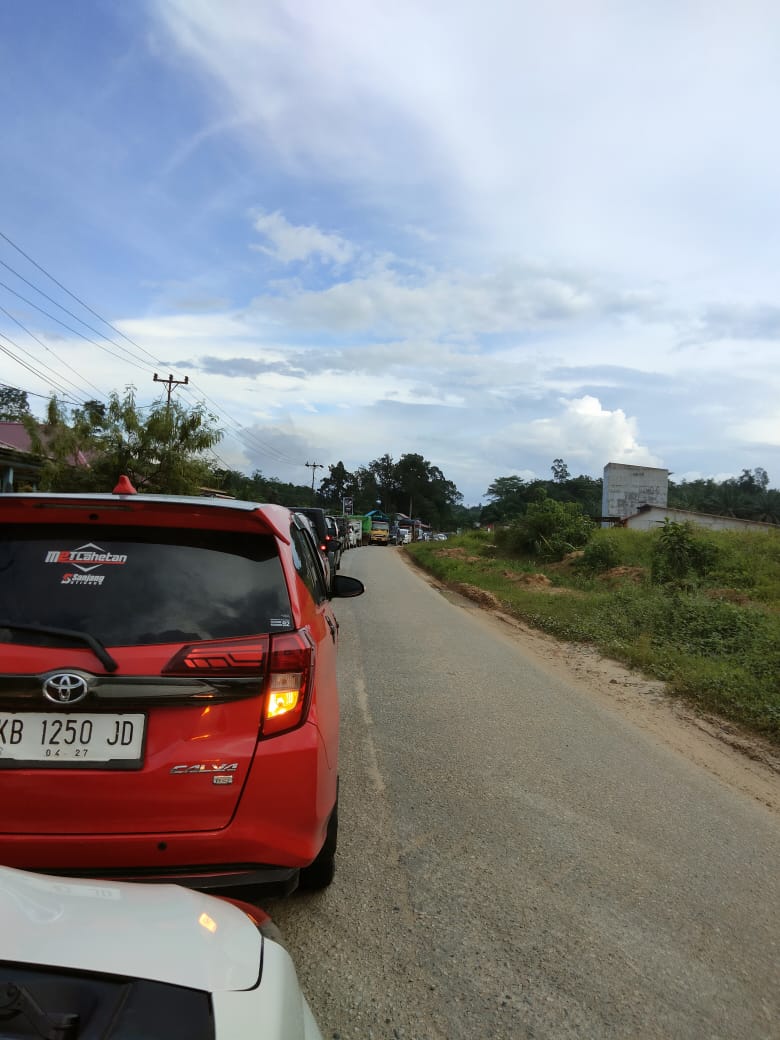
(284, 663)
(288, 685)
(223, 657)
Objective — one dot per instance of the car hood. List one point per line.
(162, 932)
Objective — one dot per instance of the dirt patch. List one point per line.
(534, 581)
(459, 554)
(729, 596)
(616, 574)
(739, 759)
(477, 595)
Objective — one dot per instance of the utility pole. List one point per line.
(313, 466)
(170, 383)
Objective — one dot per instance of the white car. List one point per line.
(97, 959)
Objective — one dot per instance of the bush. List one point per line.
(680, 555)
(600, 555)
(549, 530)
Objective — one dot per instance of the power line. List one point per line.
(23, 390)
(73, 295)
(34, 371)
(45, 347)
(70, 313)
(52, 382)
(75, 332)
(249, 437)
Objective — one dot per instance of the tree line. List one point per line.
(169, 448)
(747, 497)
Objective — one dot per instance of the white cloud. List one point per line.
(514, 297)
(580, 431)
(495, 234)
(761, 430)
(289, 242)
(579, 131)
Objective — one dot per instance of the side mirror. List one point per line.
(344, 587)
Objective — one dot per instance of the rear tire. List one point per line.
(321, 872)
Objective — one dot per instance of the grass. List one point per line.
(712, 637)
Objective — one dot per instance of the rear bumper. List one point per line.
(279, 826)
(275, 881)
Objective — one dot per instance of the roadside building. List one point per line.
(627, 488)
(19, 467)
(649, 517)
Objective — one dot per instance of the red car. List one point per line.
(168, 697)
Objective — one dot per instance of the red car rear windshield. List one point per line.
(128, 586)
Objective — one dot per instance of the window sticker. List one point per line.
(85, 559)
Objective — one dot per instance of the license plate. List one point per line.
(36, 738)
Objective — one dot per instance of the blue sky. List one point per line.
(494, 234)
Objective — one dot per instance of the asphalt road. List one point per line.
(515, 860)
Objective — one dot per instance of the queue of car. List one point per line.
(168, 713)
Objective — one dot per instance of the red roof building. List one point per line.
(19, 467)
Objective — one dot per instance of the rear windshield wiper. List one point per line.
(51, 1025)
(95, 645)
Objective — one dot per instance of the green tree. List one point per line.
(586, 491)
(257, 488)
(162, 451)
(464, 518)
(748, 496)
(60, 441)
(423, 491)
(14, 405)
(366, 490)
(384, 473)
(509, 497)
(335, 487)
(94, 413)
(560, 471)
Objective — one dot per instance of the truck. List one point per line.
(365, 528)
(355, 529)
(379, 533)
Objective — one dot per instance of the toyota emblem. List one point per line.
(65, 688)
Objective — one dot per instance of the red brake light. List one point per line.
(284, 662)
(221, 657)
(288, 685)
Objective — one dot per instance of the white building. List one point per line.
(650, 517)
(626, 488)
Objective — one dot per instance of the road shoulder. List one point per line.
(739, 759)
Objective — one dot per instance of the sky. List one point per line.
(492, 233)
